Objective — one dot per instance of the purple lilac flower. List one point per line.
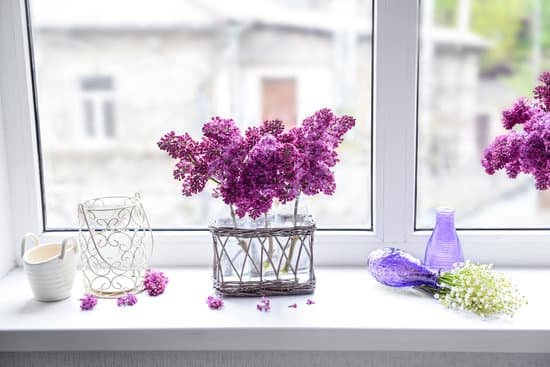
(88, 302)
(214, 303)
(310, 302)
(264, 305)
(528, 150)
(191, 169)
(126, 300)
(155, 282)
(294, 305)
(520, 113)
(269, 173)
(317, 140)
(265, 164)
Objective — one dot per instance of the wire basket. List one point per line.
(263, 261)
(116, 241)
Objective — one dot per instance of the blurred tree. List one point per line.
(545, 37)
(505, 23)
(446, 13)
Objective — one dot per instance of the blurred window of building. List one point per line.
(98, 107)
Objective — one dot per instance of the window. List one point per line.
(98, 108)
(476, 58)
(439, 81)
(175, 66)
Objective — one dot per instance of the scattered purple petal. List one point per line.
(294, 305)
(155, 282)
(310, 302)
(88, 302)
(214, 303)
(264, 305)
(126, 300)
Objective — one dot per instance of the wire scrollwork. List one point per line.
(116, 241)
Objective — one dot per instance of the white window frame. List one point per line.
(394, 137)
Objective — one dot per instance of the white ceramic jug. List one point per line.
(50, 268)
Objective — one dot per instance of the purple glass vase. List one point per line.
(443, 248)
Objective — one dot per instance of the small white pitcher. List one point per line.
(50, 267)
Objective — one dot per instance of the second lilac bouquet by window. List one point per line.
(525, 150)
(264, 245)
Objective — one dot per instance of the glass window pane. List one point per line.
(113, 76)
(476, 58)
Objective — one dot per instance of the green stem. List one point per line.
(294, 238)
(242, 243)
(427, 289)
(233, 217)
(270, 249)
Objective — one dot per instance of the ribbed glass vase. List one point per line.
(443, 249)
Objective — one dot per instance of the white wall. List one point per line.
(7, 248)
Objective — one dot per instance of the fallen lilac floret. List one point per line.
(126, 300)
(88, 302)
(264, 305)
(214, 303)
(155, 282)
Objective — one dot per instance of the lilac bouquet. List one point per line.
(524, 150)
(264, 164)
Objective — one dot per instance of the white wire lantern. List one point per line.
(116, 241)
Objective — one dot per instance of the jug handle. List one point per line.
(64, 246)
(34, 239)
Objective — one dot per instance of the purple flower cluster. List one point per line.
(126, 300)
(155, 282)
(214, 303)
(527, 150)
(264, 305)
(264, 164)
(88, 302)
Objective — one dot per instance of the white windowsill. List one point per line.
(352, 312)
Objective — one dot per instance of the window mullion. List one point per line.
(395, 71)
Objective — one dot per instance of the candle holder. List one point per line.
(116, 241)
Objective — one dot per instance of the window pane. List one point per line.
(476, 58)
(113, 76)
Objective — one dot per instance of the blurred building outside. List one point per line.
(113, 77)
